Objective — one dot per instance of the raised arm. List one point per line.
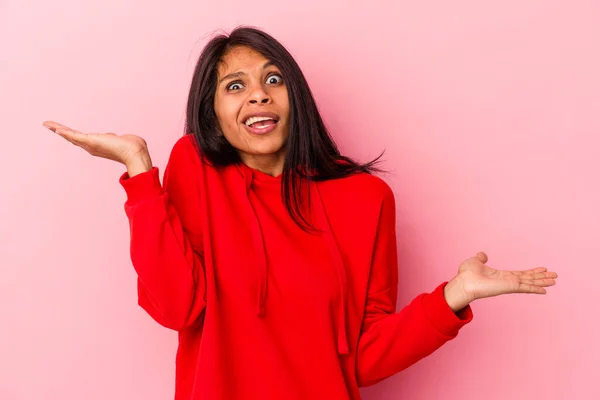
(171, 281)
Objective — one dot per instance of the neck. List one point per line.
(271, 164)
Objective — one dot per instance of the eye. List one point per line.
(232, 86)
(274, 79)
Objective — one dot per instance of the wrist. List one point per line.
(455, 295)
(139, 163)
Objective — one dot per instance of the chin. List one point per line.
(266, 149)
(266, 145)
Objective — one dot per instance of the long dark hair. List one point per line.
(310, 151)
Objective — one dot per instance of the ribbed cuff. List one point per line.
(441, 316)
(141, 186)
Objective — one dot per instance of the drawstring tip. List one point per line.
(343, 348)
(342, 344)
(261, 310)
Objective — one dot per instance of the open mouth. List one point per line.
(261, 125)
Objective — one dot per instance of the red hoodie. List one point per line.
(263, 309)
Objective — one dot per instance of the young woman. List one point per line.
(272, 255)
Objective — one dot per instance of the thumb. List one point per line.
(481, 256)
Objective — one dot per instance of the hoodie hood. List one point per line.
(322, 223)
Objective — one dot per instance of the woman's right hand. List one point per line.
(130, 150)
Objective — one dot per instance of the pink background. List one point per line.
(489, 111)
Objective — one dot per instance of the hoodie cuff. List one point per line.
(141, 186)
(441, 316)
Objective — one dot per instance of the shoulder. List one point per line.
(366, 185)
(371, 184)
(187, 157)
(184, 164)
(184, 148)
(362, 190)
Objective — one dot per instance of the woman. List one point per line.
(273, 256)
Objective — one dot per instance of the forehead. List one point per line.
(240, 58)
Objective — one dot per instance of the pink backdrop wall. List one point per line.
(489, 112)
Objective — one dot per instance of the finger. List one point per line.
(530, 271)
(63, 133)
(75, 142)
(64, 128)
(539, 275)
(52, 125)
(72, 135)
(526, 288)
(481, 256)
(539, 282)
(538, 269)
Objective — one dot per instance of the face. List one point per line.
(252, 107)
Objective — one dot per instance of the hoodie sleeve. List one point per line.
(393, 341)
(171, 282)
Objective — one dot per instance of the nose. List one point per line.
(259, 95)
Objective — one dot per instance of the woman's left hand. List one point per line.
(475, 280)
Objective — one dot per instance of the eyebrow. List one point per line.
(241, 73)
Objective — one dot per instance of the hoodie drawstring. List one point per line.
(323, 221)
(259, 246)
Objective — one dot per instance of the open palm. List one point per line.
(480, 281)
(120, 148)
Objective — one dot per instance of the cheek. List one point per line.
(283, 100)
(227, 113)
(231, 119)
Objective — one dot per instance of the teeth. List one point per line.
(252, 120)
